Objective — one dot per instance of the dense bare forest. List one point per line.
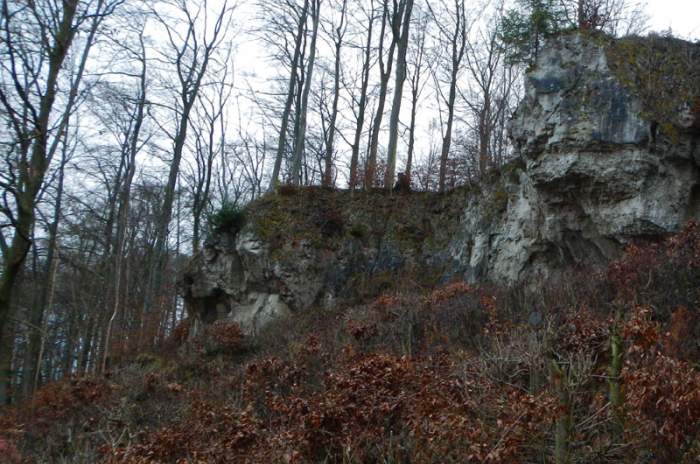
(348, 231)
(126, 125)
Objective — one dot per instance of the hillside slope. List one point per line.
(549, 313)
(599, 368)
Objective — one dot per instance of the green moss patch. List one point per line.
(662, 71)
(329, 217)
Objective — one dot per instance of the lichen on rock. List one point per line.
(313, 246)
(596, 173)
(661, 71)
(594, 170)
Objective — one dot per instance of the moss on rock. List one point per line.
(663, 72)
(327, 217)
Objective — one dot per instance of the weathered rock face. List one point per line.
(594, 171)
(226, 281)
(314, 247)
(598, 171)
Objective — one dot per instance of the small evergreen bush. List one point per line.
(229, 218)
(359, 231)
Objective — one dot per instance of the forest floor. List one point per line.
(600, 366)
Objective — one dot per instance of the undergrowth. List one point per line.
(598, 367)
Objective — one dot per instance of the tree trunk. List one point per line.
(124, 204)
(385, 74)
(563, 426)
(581, 16)
(614, 373)
(299, 144)
(44, 323)
(32, 178)
(458, 41)
(412, 133)
(362, 104)
(402, 41)
(447, 139)
(328, 170)
(416, 91)
(37, 318)
(68, 348)
(87, 347)
(191, 76)
(484, 136)
(291, 87)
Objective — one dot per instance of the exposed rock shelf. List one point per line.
(596, 169)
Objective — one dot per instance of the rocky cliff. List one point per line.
(610, 149)
(606, 140)
(310, 246)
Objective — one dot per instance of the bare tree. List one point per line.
(131, 145)
(361, 102)
(37, 316)
(391, 17)
(189, 54)
(243, 164)
(417, 64)
(338, 35)
(611, 16)
(490, 97)
(277, 32)
(209, 128)
(401, 36)
(302, 109)
(453, 29)
(37, 38)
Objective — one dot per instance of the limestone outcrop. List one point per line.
(314, 247)
(599, 169)
(598, 165)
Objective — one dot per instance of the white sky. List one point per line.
(253, 68)
(252, 63)
(682, 16)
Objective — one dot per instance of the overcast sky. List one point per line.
(682, 16)
(254, 67)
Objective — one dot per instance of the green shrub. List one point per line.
(149, 360)
(359, 231)
(229, 218)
